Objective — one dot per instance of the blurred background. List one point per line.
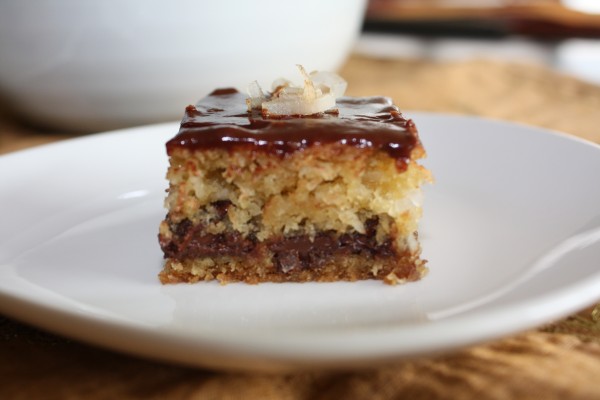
(72, 67)
(560, 33)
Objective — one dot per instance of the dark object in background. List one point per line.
(546, 19)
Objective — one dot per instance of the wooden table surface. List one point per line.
(560, 360)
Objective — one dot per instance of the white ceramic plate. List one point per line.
(511, 231)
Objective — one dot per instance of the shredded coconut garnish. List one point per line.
(317, 95)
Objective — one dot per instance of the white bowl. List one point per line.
(81, 65)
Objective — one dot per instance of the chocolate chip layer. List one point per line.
(288, 252)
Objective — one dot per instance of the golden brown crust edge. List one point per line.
(407, 268)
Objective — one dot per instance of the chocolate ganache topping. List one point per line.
(221, 120)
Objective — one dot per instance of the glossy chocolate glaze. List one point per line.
(221, 120)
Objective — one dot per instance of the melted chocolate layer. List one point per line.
(289, 253)
(221, 120)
